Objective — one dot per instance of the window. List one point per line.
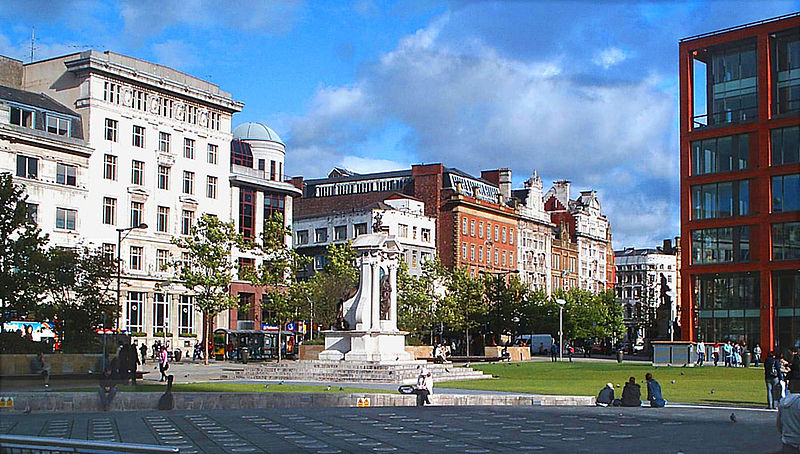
(340, 232)
(510, 258)
(426, 235)
(65, 218)
(321, 235)
(66, 174)
(734, 84)
(720, 200)
(472, 227)
(464, 226)
(319, 262)
(786, 193)
(261, 164)
(246, 306)
(480, 253)
(162, 260)
(302, 237)
(187, 221)
(165, 108)
(135, 312)
(212, 153)
(273, 204)
(136, 258)
(402, 230)
(21, 116)
(414, 259)
(110, 167)
(504, 258)
(272, 170)
(110, 252)
(188, 182)
(245, 265)
(247, 213)
(111, 129)
(785, 145)
(496, 257)
(191, 115)
(720, 154)
(58, 125)
(160, 314)
(188, 148)
(138, 136)
(504, 235)
(163, 142)
(787, 64)
(137, 172)
(111, 92)
(241, 154)
(109, 211)
(496, 233)
(136, 213)
(163, 177)
(464, 250)
(33, 212)
(214, 120)
(211, 188)
(186, 314)
(786, 241)
(139, 100)
(480, 229)
(472, 252)
(721, 245)
(162, 223)
(359, 229)
(27, 167)
(414, 232)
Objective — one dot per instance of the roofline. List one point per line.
(739, 27)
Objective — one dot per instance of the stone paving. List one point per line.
(427, 430)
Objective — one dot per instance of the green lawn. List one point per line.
(242, 388)
(737, 386)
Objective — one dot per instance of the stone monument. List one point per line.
(370, 317)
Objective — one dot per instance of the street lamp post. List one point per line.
(120, 237)
(561, 304)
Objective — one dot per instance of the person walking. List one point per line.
(163, 363)
(570, 351)
(727, 353)
(715, 353)
(701, 353)
(143, 352)
(794, 372)
(129, 359)
(554, 353)
(756, 355)
(39, 366)
(772, 378)
(654, 392)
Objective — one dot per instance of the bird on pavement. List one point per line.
(733, 417)
(341, 389)
(328, 388)
(712, 391)
(267, 385)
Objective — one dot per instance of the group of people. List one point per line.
(730, 353)
(569, 351)
(440, 353)
(632, 394)
(782, 376)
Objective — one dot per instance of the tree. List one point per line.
(337, 280)
(22, 253)
(463, 307)
(418, 302)
(208, 269)
(505, 298)
(80, 289)
(277, 274)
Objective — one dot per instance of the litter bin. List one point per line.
(177, 355)
(619, 356)
(245, 354)
(746, 358)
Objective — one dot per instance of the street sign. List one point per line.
(363, 402)
(266, 327)
(290, 326)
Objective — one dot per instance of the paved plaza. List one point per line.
(412, 429)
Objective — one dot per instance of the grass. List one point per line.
(241, 388)
(732, 386)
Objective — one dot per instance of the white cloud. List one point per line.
(609, 57)
(368, 165)
(176, 54)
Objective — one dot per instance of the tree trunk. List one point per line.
(466, 337)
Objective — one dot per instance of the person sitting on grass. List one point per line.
(606, 396)
(632, 394)
(108, 389)
(654, 392)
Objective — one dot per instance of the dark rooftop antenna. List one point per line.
(33, 42)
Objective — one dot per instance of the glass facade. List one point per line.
(786, 193)
(785, 145)
(786, 241)
(786, 294)
(728, 307)
(721, 245)
(721, 200)
(720, 154)
(734, 85)
(247, 214)
(786, 50)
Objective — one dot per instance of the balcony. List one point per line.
(260, 178)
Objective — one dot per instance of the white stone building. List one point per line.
(161, 141)
(402, 215)
(534, 233)
(638, 286)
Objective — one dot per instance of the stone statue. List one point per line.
(377, 227)
(386, 297)
(341, 324)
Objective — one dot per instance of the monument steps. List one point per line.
(347, 371)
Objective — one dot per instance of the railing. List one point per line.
(237, 169)
(739, 27)
(727, 117)
(18, 444)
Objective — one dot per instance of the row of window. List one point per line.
(402, 232)
(161, 313)
(732, 244)
(28, 167)
(506, 235)
(339, 233)
(273, 204)
(564, 262)
(732, 198)
(732, 153)
(499, 259)
(163, 178)
(164, 141)
(26, 117)
(166, 107)
(137, 216)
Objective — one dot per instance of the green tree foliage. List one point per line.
(81, 296)
(463, 307)
(337, 280)
(208, 272)
(22, 253)
(506, 300)
(586, 314)
(276, 273)
(419, 305)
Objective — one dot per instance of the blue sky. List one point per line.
(585, 91)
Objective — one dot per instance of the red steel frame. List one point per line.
(759, 174)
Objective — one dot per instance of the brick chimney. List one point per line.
(501, 178)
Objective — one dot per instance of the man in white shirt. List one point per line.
(701, 353)
(424, 387)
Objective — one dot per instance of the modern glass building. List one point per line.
(740, 184)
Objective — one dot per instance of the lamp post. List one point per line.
(561, 304)
(120, 237)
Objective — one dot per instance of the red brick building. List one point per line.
(740, 183)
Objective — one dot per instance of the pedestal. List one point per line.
(370, 346)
